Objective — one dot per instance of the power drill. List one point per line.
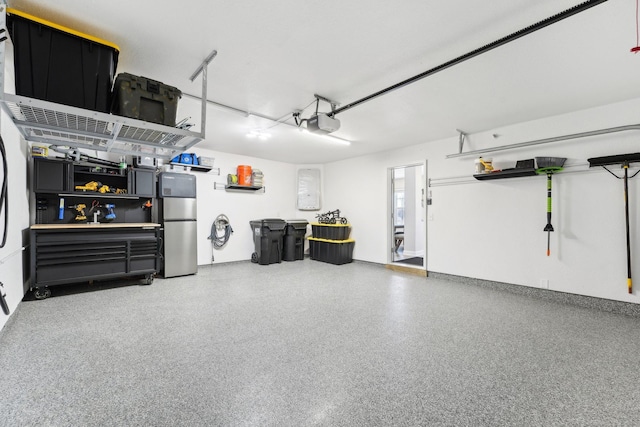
(80, 215)
(111, 215)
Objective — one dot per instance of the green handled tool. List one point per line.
(549, 166)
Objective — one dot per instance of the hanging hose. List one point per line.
(221, 223)
(4, 197)
(4, 209)
(3, 301)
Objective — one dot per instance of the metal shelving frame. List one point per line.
(52, 123)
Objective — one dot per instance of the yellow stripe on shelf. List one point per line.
(330, 241)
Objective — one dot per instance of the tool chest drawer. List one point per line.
(62, 256)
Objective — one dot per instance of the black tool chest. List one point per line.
(67, 254)
(69, 245)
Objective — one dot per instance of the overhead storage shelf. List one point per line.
(52, 123)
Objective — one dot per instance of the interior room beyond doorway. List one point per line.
(408, 232)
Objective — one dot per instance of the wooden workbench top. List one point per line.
(92, 225)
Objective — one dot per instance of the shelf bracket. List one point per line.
(115, 133)
(203, 69)
(461, 140)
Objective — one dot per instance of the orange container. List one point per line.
(244, 175)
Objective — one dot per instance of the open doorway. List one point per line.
(407, 225)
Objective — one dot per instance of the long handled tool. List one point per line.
(624, 160)
(549, 166)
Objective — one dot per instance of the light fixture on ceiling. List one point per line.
(259, 134)
(327, 138)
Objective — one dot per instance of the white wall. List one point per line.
(277, 201)
(493, 229)
(11, 256)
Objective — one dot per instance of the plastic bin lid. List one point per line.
(61, 28)
(297, 225)
(272, 223)
(297, 221)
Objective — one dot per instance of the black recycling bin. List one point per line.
(294, 233)
(267, 236)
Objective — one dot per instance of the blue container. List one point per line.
(186, 159)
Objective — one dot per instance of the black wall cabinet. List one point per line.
(51, 176)
(62, 176)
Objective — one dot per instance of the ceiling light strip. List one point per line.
(262, 116)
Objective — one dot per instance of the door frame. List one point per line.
(390, 241)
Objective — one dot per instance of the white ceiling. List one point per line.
(273, 56)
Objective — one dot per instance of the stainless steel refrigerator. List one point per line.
(178, 216)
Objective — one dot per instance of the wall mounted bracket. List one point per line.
(462, 136)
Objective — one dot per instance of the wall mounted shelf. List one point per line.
(245, 188)
(507, 173)
(198, 168)
(94, 195)
(238, 188)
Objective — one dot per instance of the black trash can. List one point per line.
(267, 236)
(294, 233)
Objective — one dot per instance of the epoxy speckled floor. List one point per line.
(306, 343)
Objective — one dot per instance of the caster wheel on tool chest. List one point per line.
(42, 293)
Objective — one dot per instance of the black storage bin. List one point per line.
(332, 251)
(330, 231)
(61, 65)
(294, 240)
(267, 237)
(145, 99)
